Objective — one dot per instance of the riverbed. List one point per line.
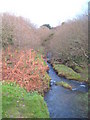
(65, 103)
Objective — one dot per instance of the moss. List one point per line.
(67, 72)
(40, 58)
(47, 79)
(78, 69)
(83, 72)
(17, 103)
(64, 84)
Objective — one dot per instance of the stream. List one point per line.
(65, 103)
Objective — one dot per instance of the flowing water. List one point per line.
(65, 103)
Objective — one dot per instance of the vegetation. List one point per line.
(67, 72)
(17, 103)
(64, 84)
(27, 68)
(23, 62)
(47, 25)
(76, 73)
(12, 34)
(78, 69)
(70, 41)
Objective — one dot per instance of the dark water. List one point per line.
(64, 103)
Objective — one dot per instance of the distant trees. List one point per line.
(47, 25)
(7, 30)
(18, 32)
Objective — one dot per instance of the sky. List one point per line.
(41, 12)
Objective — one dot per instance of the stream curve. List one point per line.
(64, 103)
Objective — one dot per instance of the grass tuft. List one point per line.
(64, 84)
(67, 72)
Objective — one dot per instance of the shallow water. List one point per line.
(64, 103)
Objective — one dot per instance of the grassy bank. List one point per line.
(17, 103)
(64, 84)
(68, 72)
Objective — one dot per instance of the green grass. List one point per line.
(47, 79)
(78, 69)
(38, 56)
(83, 71)
(0, 101)
(64, 84)
(67, 72)
(17, 103)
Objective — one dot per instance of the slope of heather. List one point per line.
(27, 68)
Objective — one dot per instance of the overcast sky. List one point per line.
(40, 12)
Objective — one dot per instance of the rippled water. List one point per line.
(64, 103)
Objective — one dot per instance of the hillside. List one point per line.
(69, 41)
